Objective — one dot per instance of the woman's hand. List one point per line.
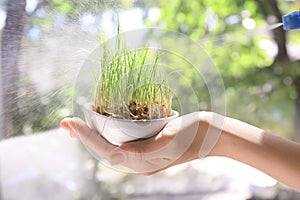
(180, 141)
(197, 135)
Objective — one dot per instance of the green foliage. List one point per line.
(63, 6)
(247, 69)
(245, 66)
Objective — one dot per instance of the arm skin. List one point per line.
(277, 157)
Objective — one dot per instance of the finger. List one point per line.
(135, 151)
(91, 138)
(142, 145)
(74, 135)
(65, 125)
(144, 156)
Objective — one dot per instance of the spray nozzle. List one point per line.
(291, 21)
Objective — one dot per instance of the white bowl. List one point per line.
(118, 131)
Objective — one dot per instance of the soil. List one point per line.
(138, 111)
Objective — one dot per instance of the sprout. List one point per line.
(131, 86)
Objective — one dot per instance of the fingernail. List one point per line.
(72, 126)
(117, 158)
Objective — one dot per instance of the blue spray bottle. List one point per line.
(291, 21)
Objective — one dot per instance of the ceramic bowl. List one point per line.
(118, 131)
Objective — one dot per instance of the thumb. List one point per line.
(117, 157)
(132, 151)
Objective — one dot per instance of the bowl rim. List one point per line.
(87, 106)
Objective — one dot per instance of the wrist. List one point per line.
(221, 130)
(222, 146)
(236, 136)
(214, 141)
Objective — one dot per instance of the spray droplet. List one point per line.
(274, 26)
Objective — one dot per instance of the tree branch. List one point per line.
(10, 50)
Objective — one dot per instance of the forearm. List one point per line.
(278, 157)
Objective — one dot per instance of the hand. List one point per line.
(180, 141)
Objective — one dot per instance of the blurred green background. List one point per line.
(259, 66)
